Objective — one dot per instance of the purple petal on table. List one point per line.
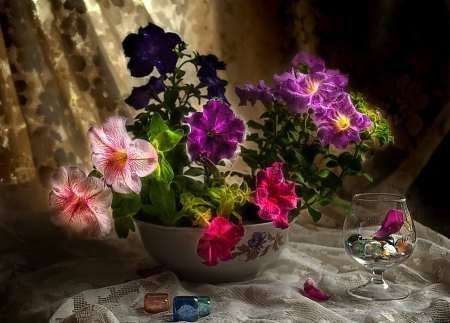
(314, 292)
(391, 224)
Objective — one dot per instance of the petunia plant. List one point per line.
(173, 164)
(310, 116)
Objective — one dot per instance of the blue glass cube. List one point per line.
(185, 308)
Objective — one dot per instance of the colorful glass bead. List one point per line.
(403, 247)
(204, 306)
(372, 248)
(383, 240)
(358, 248)
(185, 308)
(352, 238)
(389, 250)
(156, 302)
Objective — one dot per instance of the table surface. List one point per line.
(45, 277)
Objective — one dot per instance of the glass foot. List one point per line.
(379, 291)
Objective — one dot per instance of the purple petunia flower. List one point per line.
(151, 47)
(339, 123)
(300, 91)
(251, 93)
(315, 63)
(140, 96)
(216, 132)
(207, 73)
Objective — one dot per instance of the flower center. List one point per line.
(311, 86)
(211, 133)
(120, 157)
(342, 122)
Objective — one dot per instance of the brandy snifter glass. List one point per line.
(379, 233)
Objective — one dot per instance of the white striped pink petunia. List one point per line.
(80, 202)
(122, 161)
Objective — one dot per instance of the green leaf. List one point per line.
(149, 209)
(163, 199)
(255, 125)
(316, 215)
(323, 173)
(163, 172)
(95, 173)
(125, 205)
(123, 226)
(168, 139)
(170, 97)
(366, 175)
(332, 164)
(194, 171)
(157, 125)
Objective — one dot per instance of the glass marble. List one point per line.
(185, 308)
(204, 306)
(156, 302)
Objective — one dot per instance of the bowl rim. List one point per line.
(178, 228)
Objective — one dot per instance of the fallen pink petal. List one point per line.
(80, 202)
(391, 224)
(313, 292)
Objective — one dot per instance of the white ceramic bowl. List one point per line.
(176, 249)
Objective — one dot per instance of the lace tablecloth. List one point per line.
(45, 277)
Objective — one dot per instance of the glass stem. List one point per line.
(377, 276)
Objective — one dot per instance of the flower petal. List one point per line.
(392, 223)
(274, 196)
(218, 240)
(79, 202)
(313, 292)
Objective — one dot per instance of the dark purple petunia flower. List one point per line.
(216, 132)
(140, 96)
(251, 93)
(339, 123)
(300, 91)
(151, 47)
(207, 74)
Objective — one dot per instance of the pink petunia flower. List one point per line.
(218, 241)
(80, 202)
(274, 196)
(122, 161)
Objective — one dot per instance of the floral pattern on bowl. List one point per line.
(258, 245)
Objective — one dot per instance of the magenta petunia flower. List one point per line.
(302, 91)
(80, 202)
(313, 292)
(274, 196)
(219, 240)
(339, 123)
(122, 161)
(215, 133)
(392, 223)
(251, 93)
